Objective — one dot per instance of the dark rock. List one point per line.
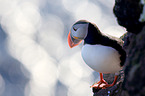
(134, 82)
(128, 14)
(110, 91)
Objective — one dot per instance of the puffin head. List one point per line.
(78, 33)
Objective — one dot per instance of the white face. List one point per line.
(79, 31)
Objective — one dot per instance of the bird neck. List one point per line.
(94, 35)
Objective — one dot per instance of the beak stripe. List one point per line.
(75, 37)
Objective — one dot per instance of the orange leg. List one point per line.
(103, 84)
(114, 82)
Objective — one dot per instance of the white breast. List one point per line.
(101, 58)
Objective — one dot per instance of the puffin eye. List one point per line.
(74, 29)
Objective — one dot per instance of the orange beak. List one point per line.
(72, 41)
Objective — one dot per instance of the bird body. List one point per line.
(101, 58)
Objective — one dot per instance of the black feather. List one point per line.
(94, 36)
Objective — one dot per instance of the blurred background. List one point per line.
(35, 59)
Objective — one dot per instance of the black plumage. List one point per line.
(94, 36)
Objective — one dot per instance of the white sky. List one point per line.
(36, 37)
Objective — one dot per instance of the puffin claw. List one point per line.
(99, 85)
(102, 84)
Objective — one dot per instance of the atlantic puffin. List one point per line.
(100, 52)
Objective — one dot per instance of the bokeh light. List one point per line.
(35, 59)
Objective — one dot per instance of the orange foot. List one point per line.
(102, 84)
